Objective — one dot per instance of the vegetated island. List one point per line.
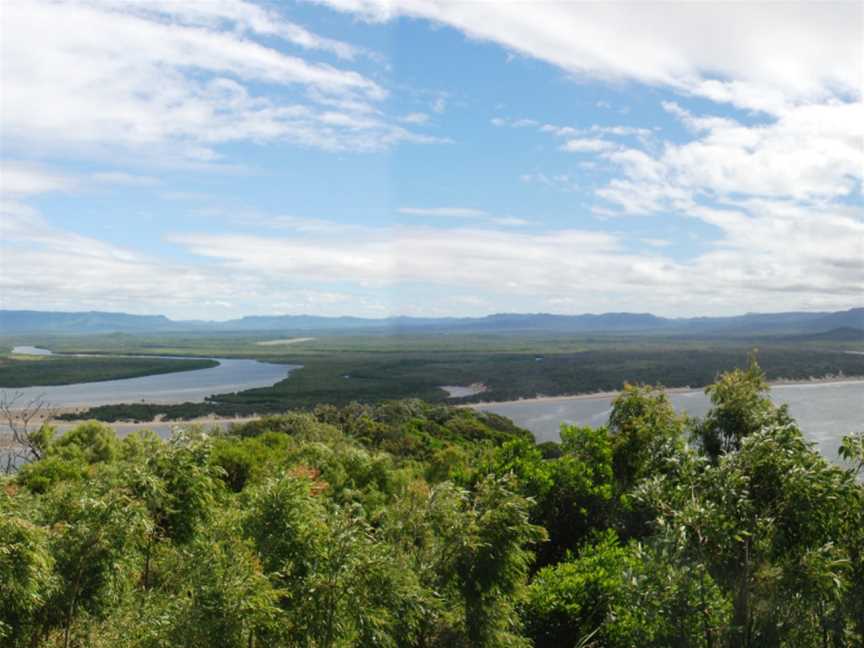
(421, 525)
(377, 377)
(64, 370)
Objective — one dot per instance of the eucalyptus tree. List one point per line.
(740, 406)
(28, 578)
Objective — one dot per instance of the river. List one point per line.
(230, 375)
(825, 411)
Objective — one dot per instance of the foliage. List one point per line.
(620, 596)
(407, 524)
(740, 408)
(27, 566)
(59, 370)
(345, 374)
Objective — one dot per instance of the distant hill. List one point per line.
(851, 319)
(841, 323)
(844, 334)
(23, 321)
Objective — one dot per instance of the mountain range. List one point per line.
(14, 322)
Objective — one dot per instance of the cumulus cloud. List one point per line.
(178, 75)
(780, 187)
(586, 145)
(810, 153)
(78, 272)
(561, 181)
(468, 256)
(434, 270)
(20, 179)
(801, 262)
(243, 16)
(124, 179)
(449, 212)
(748, 54)
(465, 213)
(415, 118)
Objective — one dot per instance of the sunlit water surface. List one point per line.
(231, 375)
(825, 411)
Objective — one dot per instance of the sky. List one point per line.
(211, 159)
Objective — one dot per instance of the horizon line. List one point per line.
(430, 317)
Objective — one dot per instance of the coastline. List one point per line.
(779, 382)
(222, 420)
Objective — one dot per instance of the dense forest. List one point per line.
(342, 377)
(58, 370)
(410, 524)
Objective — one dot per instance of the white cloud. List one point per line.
(562, 181)
(439, 105)
(181, 76)
(781, 189)
(779, 247)
(643, 134)
(800, 265)
(78, 272)
(238, 14)
(587, 145)
(810, 153)
(759, 55)
(125, 179)
(780, 260)
(655, 242)
(20, 179)
(465, 213)
(622, 131)
(413, 254)
(447, 212)
(415, 118)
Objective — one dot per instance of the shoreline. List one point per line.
(780, 382)
(213, 419)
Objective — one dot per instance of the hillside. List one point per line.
(16, 322)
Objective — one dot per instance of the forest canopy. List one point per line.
(408, 524)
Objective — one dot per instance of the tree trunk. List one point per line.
(741, 605)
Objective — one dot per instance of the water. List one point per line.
(231, 375)
(30, 350)
(461, 391)
(825, 411)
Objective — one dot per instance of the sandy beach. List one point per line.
(222, 420)
(780, 382)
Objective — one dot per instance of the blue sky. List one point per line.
(217, 158)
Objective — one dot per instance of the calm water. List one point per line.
(460, 391)
(230, 375)
(825, 411)
(30, 350)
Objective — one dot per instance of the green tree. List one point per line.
(28, 580)
(766, 521)
(95, 543)
(740, 406)
(645, 430)
(340, 584)
(492, 561)
(580, 498)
